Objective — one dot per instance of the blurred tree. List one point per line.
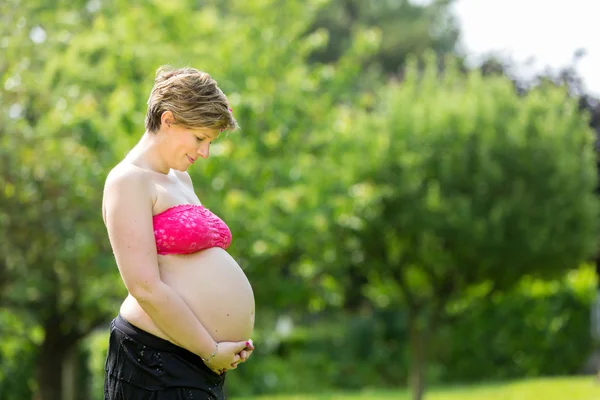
(471, 186)
(406, 28)
(76, 78)
(589, 106)
(56, 270)
(58, 279)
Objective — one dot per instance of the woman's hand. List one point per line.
(238, 357)
(245, 353)
(227, 354)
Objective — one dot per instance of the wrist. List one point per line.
(212, 355)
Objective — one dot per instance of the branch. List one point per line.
(75, 335)
(11, 304)
(486, 298)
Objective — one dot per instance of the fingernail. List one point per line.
(248, 343)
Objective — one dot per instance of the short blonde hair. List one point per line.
(193, 97)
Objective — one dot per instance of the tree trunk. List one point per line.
(51, 360)
(417, 338)
(69, 378)
(354, 297)
(49, 373)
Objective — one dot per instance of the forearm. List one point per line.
(173, 316)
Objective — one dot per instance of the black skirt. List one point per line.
(141, 366)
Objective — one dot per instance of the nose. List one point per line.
(203, 150)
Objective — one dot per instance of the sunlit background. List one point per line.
(535, 34)
(412, 193)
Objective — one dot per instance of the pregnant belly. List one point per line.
(214, 287)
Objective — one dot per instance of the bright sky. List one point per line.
(548, 30)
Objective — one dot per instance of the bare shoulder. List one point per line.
(125, 173)
(128, 185)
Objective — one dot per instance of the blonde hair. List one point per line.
(193, 97)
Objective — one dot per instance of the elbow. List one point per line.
(144, 291)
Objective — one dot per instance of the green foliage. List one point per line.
(257, 177)
(17, 357)
(338, 193)
(76, 97)
(96, 346)
(406, 28)
(538, 329)
(471, 182)
(468, 183)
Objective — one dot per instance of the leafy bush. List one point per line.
(538, 329)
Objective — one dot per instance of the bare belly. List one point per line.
(214, 287)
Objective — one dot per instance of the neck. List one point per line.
(146, 154)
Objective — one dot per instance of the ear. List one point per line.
(167, 118)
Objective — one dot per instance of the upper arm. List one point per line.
(128, 218)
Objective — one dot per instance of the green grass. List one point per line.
(580, 388)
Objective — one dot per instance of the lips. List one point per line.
(190, 159)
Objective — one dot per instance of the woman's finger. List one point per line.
(248, 354)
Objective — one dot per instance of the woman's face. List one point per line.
(183, 146)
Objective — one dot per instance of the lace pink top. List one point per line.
(188, 228)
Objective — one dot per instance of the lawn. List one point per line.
(580, 388)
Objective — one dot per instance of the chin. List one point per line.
(180, 169)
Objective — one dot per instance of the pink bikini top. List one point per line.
(188, 228)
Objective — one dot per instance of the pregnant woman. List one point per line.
(189, 314)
